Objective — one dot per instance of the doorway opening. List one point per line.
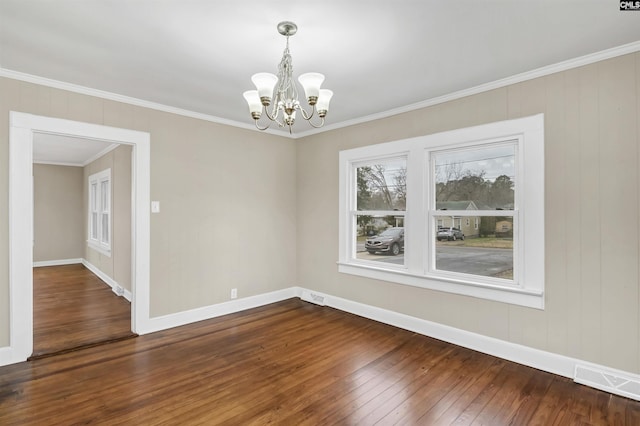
(82, 244)
(23, 127)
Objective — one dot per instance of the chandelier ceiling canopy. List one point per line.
(282, 106)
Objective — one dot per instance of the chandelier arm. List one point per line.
(274, 119)
(305, 115)
(262, 128)
(317, 126)
(274, 113)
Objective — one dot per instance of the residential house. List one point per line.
(469, 225)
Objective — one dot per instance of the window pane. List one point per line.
(105, 228)
(480, 178)
(486, 251)
(94, 198)
(380, 239)
(94, 226)
(104, 188)
(382, 185)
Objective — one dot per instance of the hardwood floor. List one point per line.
(293, 363)
(73, 308)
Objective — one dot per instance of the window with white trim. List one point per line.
(459, 211)
(380, 209)
(100, 212)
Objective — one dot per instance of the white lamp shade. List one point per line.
(265, 83)
(252, 98)
(324, 99)
(311, 83)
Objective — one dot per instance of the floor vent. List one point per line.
(311, 297)
(613, 382)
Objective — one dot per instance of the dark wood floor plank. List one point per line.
(497, 408)
(368, 382)
(458, 399)
(73, 308)
(293, 363)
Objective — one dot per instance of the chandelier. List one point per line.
(282, 107)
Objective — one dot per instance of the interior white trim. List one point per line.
(29, 78)
(59, 262)
(536, 358)
(100, 154)
(21, 131)
(57, 163)
(527, 288)
(207, 312)
(518, 78)
(115, 287)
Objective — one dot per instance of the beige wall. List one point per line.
(118, 265)
(57, 213)
(228, 210)
(591, 207)
(236, 205)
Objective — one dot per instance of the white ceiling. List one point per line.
(378, 55)
(68, 151)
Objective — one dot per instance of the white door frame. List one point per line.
(22, 128)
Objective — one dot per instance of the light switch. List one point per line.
(155, 207)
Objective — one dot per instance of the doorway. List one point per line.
(74, 309)
(81, 296)
(23, 127)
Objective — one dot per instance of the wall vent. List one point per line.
(609, 381)
(311, 297)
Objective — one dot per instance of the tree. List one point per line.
(364, 192)
(400, 181)
(501, 193)
(364, 197)
(378, 180)
(454, 185)
(471, 187)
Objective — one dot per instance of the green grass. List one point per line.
(488, 242)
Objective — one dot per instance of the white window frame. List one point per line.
(99, 207)
(354, 213)
(527, 288)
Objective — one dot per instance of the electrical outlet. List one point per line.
(234, 293)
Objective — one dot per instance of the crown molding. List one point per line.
(518, 78)
(75, 88)
(57, 163)
(100, 154)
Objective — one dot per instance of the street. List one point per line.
(469, 260)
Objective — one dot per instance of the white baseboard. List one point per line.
(8, 355)
(213, 311)
(56, 262)
(115, 287)
(594, 375)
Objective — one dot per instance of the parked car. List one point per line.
(390, 240)
(449, 234)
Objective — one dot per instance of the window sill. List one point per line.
(99, 248)
(511, 295)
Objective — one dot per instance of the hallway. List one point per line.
(73, 309)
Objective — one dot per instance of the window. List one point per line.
(380, 209)
(459, 211)
(100, 212)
